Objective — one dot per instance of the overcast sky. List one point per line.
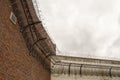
(84, 28)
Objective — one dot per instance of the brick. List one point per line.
(15, 61)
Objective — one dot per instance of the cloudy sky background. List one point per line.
(84, 28)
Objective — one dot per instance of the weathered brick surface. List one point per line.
(15, 62)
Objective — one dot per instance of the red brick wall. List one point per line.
(15, 62)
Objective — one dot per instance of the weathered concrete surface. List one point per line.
(75, 68)
(86, 60)
(73, 77)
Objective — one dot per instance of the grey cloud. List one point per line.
(83, 27)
